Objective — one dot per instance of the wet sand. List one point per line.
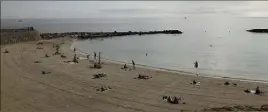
(70, 87)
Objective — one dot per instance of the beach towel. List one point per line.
(92, 61)
(82, 58)
(71, 63)
(250, 91)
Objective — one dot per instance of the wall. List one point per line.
(11, 36)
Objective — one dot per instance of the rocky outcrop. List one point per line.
(115, 33)
(258, 30)
(11, 36)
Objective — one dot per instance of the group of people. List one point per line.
(172, 100)
(257, 91)
(133, 63)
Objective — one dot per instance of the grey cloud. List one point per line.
(130, 9)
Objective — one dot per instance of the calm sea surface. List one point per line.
(237, 54)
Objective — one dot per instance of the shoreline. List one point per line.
(165, 69)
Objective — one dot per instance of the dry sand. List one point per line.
(70, 87)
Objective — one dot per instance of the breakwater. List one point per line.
(258, 30)
(92, 35)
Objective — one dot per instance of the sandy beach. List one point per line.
(70, 87)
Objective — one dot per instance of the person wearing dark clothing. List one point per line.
(194, 82)
(6, 51)
(258, 91)
(95, 55)
(74, 49)
(46, 56)
(133, 63)
(125, 66)
(196, 64)
(87, 57)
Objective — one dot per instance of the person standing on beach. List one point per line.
(196, 64)
(88, 57)
(133, 63)
(74, 49)
(95, 55)
(75, 59)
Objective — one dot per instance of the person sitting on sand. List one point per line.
(143, 77)
(44, 72)
(227, 83)
(62, 56)
(37, 61)
(247, 91)
(39, 48)
(173, 100)
(258, 91)
(125, 66)
(194, 82)
(46, 56)
(40, 43)
(6, 51)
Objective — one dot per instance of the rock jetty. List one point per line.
(258, 30)
(92, 35)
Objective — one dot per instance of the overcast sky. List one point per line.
(130, 9)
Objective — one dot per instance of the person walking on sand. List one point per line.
(196, 64)
(74, 49)
(133, 63)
